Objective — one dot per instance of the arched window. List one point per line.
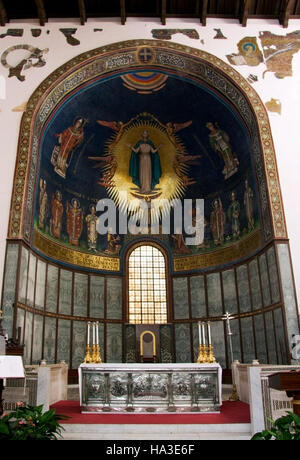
(147, 286)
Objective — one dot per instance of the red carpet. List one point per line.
(231, 412)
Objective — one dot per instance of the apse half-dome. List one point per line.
(204, 142)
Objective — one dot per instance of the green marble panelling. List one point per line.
(20, 322)
(255, 285)
(9, 287)
(23, 275)
(37, 339)
(52, 288)
(271, 341)
(114, 343)
(65, 292)
(195, 342)
(288, 291)
(214, 296)
(275, 291)
(28, 338)
(218, 341)
(198, 302)
(130, 344)
(96, 297)
(63, 340)
(40, 285)
(280, 336)
(247, 340)
(49, 339)
(265, 280)
(260, 339)
(79, 343)
(114, 298)
(243, 289)
(80, 294)
(182, 343)
(166, 343)
(229, 291)
(31, 280)
(180, 298)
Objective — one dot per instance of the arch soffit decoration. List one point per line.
(175, 58)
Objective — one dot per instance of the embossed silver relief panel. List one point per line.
(94, 388)
(149, 387)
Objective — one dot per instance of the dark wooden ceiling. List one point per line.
(42, 10)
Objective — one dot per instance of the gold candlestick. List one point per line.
(211, 357)
(97, 355)
(88, 356)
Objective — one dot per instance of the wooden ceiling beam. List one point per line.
(3, 15)
(245, 12)
(286, 13)
(82, 12)
(163, 12)
(204, 12)
(123, 12)
(41, 11)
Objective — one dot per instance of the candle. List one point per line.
(88, 333)
(93, 333)
(203, 333)
(199, 332)
(209, 335)
(97, 333)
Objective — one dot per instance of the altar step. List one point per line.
(195, 432)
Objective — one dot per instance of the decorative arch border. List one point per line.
(131, 56)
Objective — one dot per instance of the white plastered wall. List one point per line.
(285, 127)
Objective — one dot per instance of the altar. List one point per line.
(154, 387)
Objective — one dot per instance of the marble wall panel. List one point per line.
(80, 294)
(23, 275)
(114, 343)
(49, 339)
(183, 343)
(260, 339)
(20, 323)
(96, 297)
(271, 341)
(9, 287)
(37, 339)
(280, 336)
(229, 290)
(218, 341)
(180, 298)
(272, 264)
(65, 292)
(28, 338)
(79, 343)
(31, 280)
(51, 288)
(255, 285)
(247, 340)
(198, 302)
(243, 288)
(40, 285)
(265, 280)
(214, 296)
(63, 340)
(114, 298)
(236, 343)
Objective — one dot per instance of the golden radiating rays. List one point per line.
(122, 190)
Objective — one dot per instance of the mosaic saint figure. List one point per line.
(145, 168)
(234, 215)
(74, 221)
(57, 210)
(113, 243)
(248, 202)
(43, 204)
(92, 234)
(68, 140)
(219, 141)
(217, 222)
(179, 244)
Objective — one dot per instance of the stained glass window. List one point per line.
(147, 286)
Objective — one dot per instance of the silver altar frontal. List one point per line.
(150, 387)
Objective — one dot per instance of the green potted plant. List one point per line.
(29, 423)
(286, 428)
